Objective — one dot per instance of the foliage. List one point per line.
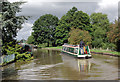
(100, 20)
(42, 45)
(100, 24)
(11, 22)
(23, 57)
(44, 29)
(98, 36)
(114, 34)
(73, 18)
(12, 48)
(30, 40)
(76, 35)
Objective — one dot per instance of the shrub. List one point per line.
(76, 35)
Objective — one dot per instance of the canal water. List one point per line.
(54, 65)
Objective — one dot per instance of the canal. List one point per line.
(54, 65)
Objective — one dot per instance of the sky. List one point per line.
(37, 8)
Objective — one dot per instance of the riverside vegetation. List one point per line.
(11, 24)
(95, 30)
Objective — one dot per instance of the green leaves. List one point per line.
(44, 29)
(100, 24)
(30, 40)
(11, 48)
(76, 35)
(11, 22)
(73, 18)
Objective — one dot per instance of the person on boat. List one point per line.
(82, 46)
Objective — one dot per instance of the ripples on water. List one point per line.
(54, 65)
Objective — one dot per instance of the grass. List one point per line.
(58, 47)
(93, 50)
(104, 51)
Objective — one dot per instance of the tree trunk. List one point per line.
(48, 44)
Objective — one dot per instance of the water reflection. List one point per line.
(84, 65)
(46, 57)
(81, 65)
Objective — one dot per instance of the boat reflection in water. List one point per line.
(84, 65)
(81, 65)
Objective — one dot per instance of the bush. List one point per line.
(76, 35)
(11, 48)
(111, 46)
(23, 57)
(42, 45)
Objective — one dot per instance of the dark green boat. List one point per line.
(26, 48)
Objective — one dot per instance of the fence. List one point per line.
(7, 59)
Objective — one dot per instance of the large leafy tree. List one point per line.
(100, 24)
(11, 22)
(76, 35)
(73, 18)
(114, 34)
(44, 29)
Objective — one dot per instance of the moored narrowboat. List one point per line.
(76, 50)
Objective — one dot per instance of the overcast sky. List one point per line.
(37, 8)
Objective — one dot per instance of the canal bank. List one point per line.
(94, 51)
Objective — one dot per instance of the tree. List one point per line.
(73, 18)
(81, 21)
(44, 29)
(114, 34)
(100, 24)
(11, 22)
(76, 35)
(98, 37)
(30, 40)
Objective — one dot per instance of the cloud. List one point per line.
(56, 0)
(25, 32)
(109, 7)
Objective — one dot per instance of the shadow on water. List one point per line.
(54, 65)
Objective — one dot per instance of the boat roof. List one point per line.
(73, 46)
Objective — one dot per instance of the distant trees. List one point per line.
(75, 26)
(100, 24)
(114, 35)
(30, 40)
(44, 29)
(73, 18)
(76, 35)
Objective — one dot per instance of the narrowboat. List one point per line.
(76, 51)
(26, 48)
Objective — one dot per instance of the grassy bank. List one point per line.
(104, 51)
(58, 47)
(93, 50)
